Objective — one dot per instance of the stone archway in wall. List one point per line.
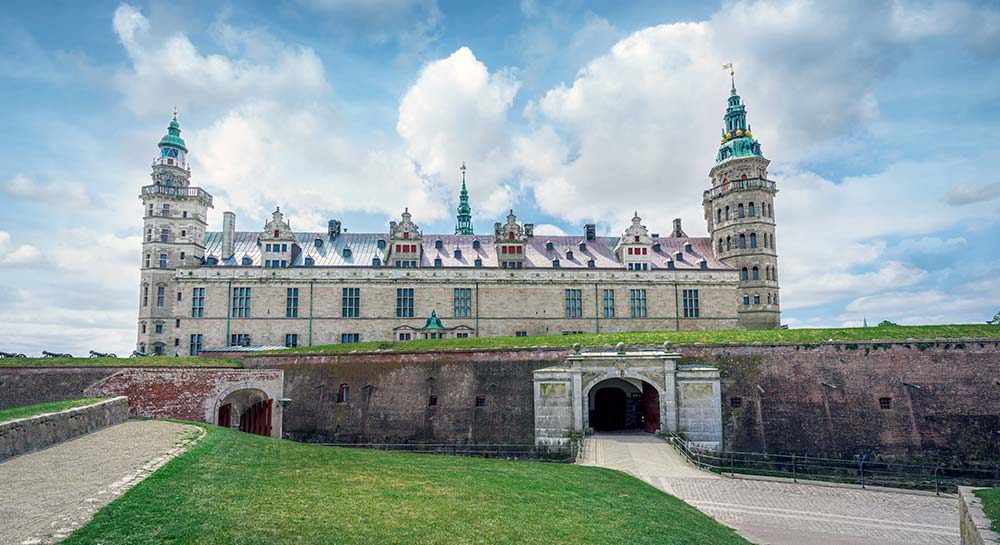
(622, 404)
(246, 409)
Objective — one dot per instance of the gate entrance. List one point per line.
(624, 404)
(249, 410)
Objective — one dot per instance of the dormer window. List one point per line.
(670, 264)
(458, 253)
(318, 243)
(583, 247)
(475, 244)
(656, 247)
(247, 262)
(703, 264)
(591, 264)
(376, 262)
(569, 255)
(438, 245)
(548, 245)
(555, 263)
(478, 263)
(437, 262)
(310, 262)
(381, 244)
(346, 253)
(679, 256)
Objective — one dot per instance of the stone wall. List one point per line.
(804, 398)
(35, 433)
(974, 526)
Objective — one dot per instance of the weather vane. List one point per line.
(732, 74)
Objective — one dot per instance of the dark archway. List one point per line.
(624, 404)
(610, 409)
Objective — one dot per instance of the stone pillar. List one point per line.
(668, 399)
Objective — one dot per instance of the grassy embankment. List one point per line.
(238, 488)
(44, 408)
(886, 333)
(149, 361)
(991, 505)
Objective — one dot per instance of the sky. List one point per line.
(877, 118)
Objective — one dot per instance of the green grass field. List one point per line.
(236, 488)
(43, 408)
(991, 504)
(150, 361)
(681, 337)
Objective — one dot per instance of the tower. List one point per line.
(740, 215)
(464, 226)
(174, 224)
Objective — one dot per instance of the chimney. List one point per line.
(228, 235)
(678, 232)
(333, 229)
(590, 231)
(529, 229)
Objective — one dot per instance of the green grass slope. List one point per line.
(991, 505)
(149, 361)
(885, 333)
(234, 488)
(42, 408)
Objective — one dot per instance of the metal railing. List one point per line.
(566, 454)
(862, 471)
(171, 191)
(732, 185)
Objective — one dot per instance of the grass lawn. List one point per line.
(991, 504)
(149, 361)
(238, 488)
(43, 408)
(678, 337)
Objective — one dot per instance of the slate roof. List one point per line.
(364, 248)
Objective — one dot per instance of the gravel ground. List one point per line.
(45, 495)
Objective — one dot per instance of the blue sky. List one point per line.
(877, 117)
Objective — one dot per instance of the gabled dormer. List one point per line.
(405, 242)
(278, 248)
(634, 249)
(510, 239)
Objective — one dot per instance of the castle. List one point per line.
(279, 287)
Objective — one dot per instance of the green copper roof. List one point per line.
(434, 322)
(464, 226)
(173, 137)
(737, 138)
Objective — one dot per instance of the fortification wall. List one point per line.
(34, 433)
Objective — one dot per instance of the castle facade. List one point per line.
(280, 287)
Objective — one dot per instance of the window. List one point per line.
(198, 303)
(609, 303)
(756, 298)
(718, 216)
(461, 335)
(720, 245)
(637, 303)
(727, 213)
(350, 303)
(241, 303)
(342, 393)
(739, 210)
(769, 298)
(574, 303)
(350, 337)
(591, 264)
(690, 298)
(755, 273)
(432, 401)
(458, 253)
(555, 263)
(292, 303)
(475, 244)
(142, 327)
(177, 323)
(438, 245)
(743, 273)
(145, 296)
(478, 263)
(885, 403)
(746, 299)
(729, 243)
(160, 295)
(184, 232)
(437, 262)
(376, 262)
(743, 241)
(164, 235)
(480, 401)
(750, 210)
(158, 350)
(196, 343)
(520, 333)
(404, 302)
(267, 247)
(146, 264)
(753, 240)
(463, 302)
(163, 261)
(158, 328)
(405, 336)
(291, 340)
(736, 402)
(239, 339)
(182, 256)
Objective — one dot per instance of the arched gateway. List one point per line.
(642, 390)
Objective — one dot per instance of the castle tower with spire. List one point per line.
(464, 225)
(740, 215)
(174, 226)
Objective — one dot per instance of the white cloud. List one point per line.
(547, 229)
(457, 111)
(20, 255)
(67, 193)
(964, 194)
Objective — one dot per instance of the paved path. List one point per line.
(45, 495)
(780, 513)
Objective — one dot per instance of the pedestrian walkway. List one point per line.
(45, 495)
(782, 513)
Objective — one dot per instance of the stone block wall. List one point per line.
(974, 526)
(35, 433)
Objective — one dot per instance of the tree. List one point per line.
(995, 320)
(886, 323)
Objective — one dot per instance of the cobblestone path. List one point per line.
(783, 513)
(45, 495)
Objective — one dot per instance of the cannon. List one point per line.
(12, 355)
(137, 354)
(96, 354)
(47, 354)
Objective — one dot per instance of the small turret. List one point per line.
(464, 226)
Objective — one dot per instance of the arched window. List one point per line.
(774, 274)
(739, 210)
(743, 273)
(756, 298)
(729, 243)
(510, 236)
(743, 241)
(744, 177)
(750, 210)
(765, 240)
(753, 240)
(776, 298)
(755, 273)
(727, 213)
(718, 214)
(772, 242)
(720, 245)
(277, 233)
(746, 299)
(767, 273)
(769, 298)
